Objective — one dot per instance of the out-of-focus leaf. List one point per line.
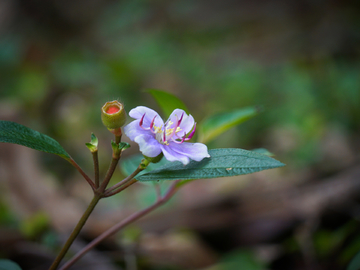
(222, 163)
(35, 224)
(355, 262)
(8, 265)
(263, 151)
(241, 259)
(217, 124)
(11, 132)
(167, 102)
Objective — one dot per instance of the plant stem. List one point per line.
(115, 160)
(125, 180)
(171, 191)
(109, 173)
(126, 185)
(96, 168)
(87, 178)
(75, 232)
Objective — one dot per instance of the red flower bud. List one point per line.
(113, 114)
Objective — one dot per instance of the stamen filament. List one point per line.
(141, 123)
(152, 125)
(191, 134)
(182, 140)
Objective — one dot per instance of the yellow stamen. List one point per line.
(169, 131)
(157, 129)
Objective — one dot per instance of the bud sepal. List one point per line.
(154, 159)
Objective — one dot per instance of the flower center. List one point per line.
(163, 135)
(168, 132)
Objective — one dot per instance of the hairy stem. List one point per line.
(75, 232)
(171, 191)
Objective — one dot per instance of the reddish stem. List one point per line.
(87, 178)
(171, 191)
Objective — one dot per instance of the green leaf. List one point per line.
(11, 132)
(167, 102)
(263, 151)
(213, 126)
(355, 262)
(93, 144)
(222, 163)
(8, 265)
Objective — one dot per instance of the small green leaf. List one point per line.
(213, 126)
(93, 144)
(11, 132)
(94, 141)
(222, 163)
(167, 102)
(8, 265)
(123, 146)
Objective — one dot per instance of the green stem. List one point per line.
(115, 160)
(125, 180)
(75, 232)
(109, 173)
(125, 186)
(96, 168)
(160, 201)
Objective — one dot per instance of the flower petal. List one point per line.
(185, 151)
(148, 145)
(133, 130)
(139, 111)
(186, 124)
(195, 151)
(171, 155)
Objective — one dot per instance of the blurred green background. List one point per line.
(60, 61)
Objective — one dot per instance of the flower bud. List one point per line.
(113, 114)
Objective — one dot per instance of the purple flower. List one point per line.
(154, 136)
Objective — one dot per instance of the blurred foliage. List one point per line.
(60, 61)
(239, 259)
(35, 225)
(135, 45)
(8, 265)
